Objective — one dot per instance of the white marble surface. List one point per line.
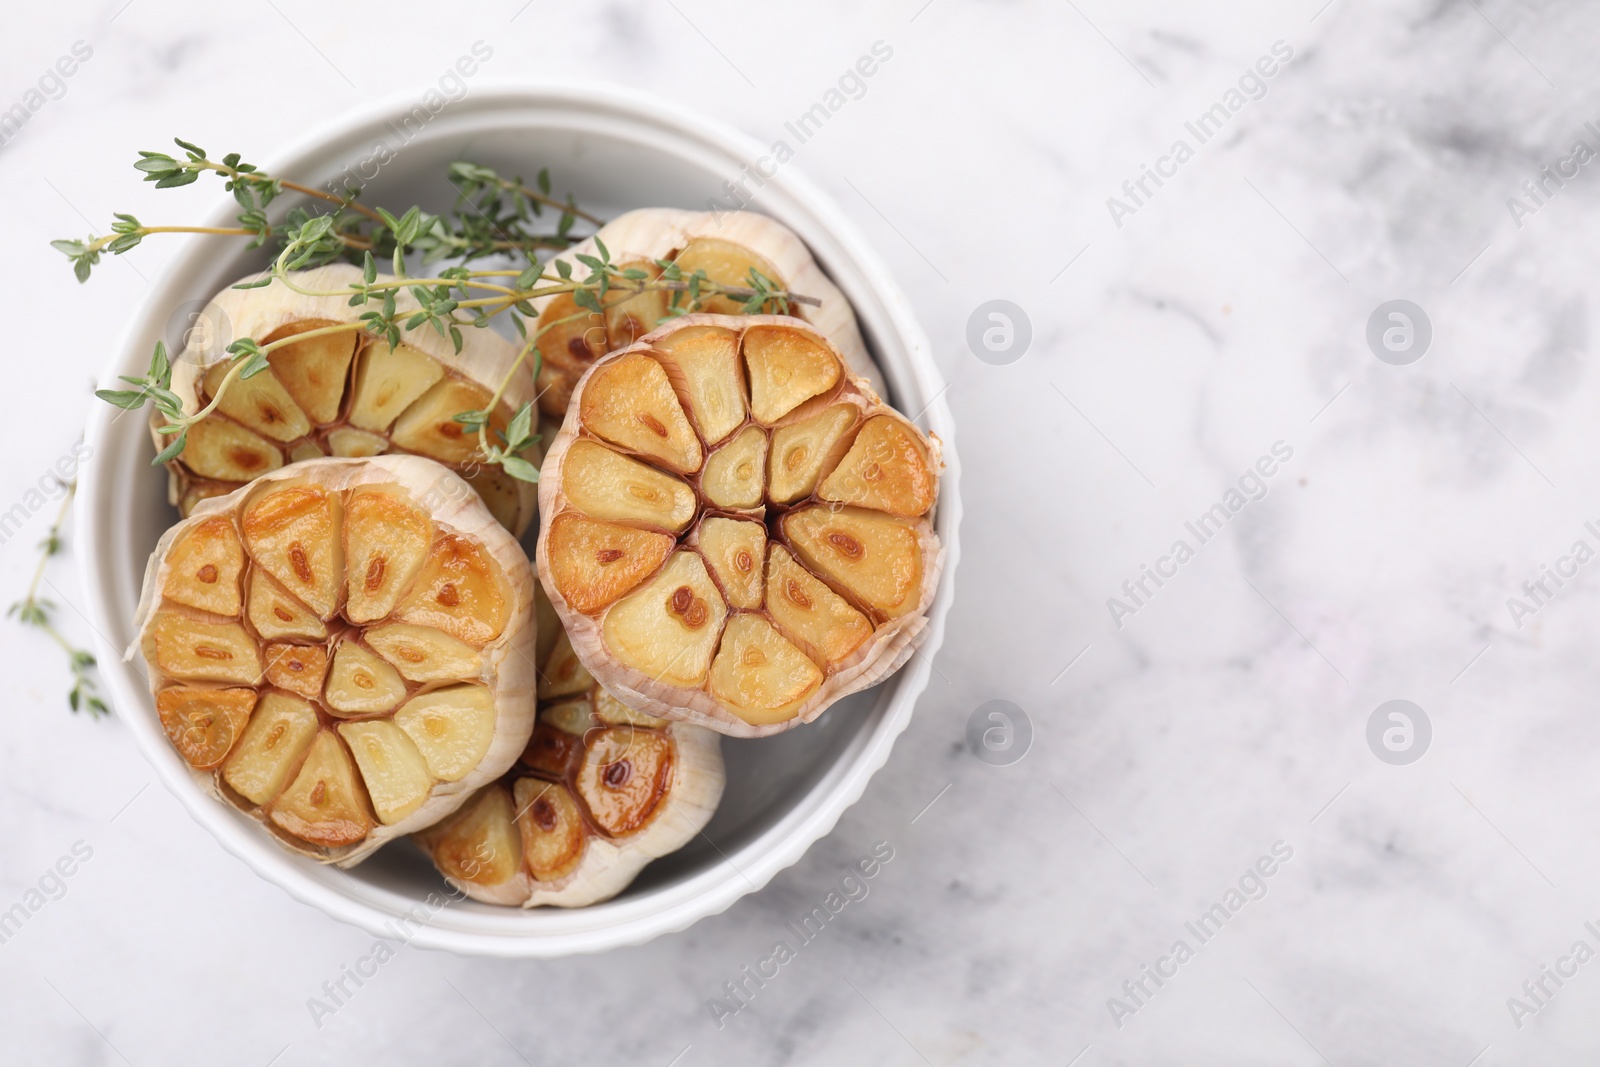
(1229, 713)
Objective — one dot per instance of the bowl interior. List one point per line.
(782, 792)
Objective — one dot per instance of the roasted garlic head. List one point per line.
(735, 529)
(726, 246)
(600, 791)
(342, 649)
(346, 393)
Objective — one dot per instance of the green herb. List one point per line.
(354, 228)
(34, 610)
(492, 216)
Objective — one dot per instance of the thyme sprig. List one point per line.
(356, 228)
(493, 215)
(36, 611)
(490, 194)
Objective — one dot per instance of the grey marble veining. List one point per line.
(1421, 909)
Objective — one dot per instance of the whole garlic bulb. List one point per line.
(726, 245)
(735, 530)
(346, 394)
(600, 791)
(342, 649)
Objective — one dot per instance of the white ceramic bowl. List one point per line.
(615, 150)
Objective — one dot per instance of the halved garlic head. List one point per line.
(735, 528)
(599, 792)
(345, 393)
(342, 649)
(726, 246)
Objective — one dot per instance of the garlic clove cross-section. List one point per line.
(344, 394)
(600, 791)
(739, 574)
(342, 649)
(727, 245)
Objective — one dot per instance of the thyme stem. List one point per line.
(32, 610)
(236, 174)
(549, 201)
